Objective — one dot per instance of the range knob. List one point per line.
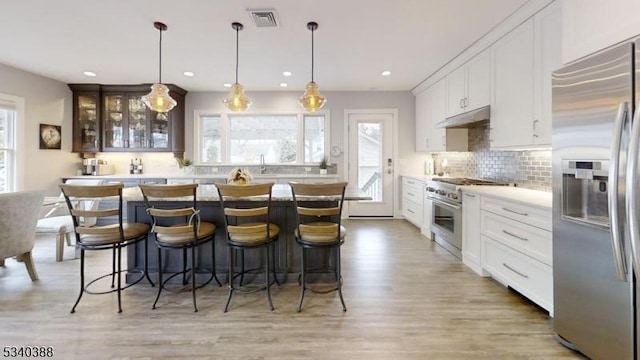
(453, 196)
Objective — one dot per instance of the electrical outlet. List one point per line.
(214, 169)
(307, 169)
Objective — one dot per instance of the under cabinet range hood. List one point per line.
(474, 118)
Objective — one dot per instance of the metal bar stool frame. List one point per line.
(113, 237)
(176, 236)
(311, 233)
(247, 235)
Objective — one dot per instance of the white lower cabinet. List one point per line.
(427, 213)
(412, 200)
(471, 242)
(528, 276)
(511, 242)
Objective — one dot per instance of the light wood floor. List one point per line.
(407, 298)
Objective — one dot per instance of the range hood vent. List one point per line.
(263, 17)
(474, 118)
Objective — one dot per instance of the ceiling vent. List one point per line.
(264, 17)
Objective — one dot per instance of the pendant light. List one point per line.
(158, 99)
(237, 99)
(311, 100)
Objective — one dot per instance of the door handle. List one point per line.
(632, 194)
(613, 203)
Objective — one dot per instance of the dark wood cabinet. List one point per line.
(86, 117)
(113, 118)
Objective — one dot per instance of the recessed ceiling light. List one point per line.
(283, 85)
(286, 73)
(90, 73)
(227, 85)
(188, 73)
(386, 73)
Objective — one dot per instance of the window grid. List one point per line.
(289, 138)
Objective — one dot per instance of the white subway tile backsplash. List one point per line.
(526, 168)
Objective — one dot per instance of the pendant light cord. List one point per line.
(312, 54)
(160, 56)
(237, 52)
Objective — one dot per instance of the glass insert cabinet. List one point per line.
(112, 118)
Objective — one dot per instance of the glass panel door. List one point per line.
(138, 120)
(370, 162)
(159, 130)
(88, 123)
(114, 129)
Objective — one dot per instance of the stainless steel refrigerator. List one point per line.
(596, 133)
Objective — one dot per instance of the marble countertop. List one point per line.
(280, 192)
(200, 176)
(538, 198)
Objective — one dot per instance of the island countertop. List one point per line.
(280, 192)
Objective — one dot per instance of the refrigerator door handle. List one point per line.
(632, 186)
(614, 173)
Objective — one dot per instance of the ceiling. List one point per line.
(356, 40)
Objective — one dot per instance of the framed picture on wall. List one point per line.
(50, 136)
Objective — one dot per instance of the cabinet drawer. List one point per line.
(529, 240)
(531, 215)
(412, 211)
(412, 189)
(528, 276)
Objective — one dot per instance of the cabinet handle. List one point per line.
(461, 103)
(444, 140)
(514, 212)
(466, 102)
(515, 271)
(411, 211)
(514, 235)
(426, 142)
(411, 194)
(410, 182)
(470, 195)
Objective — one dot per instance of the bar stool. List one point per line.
(179, 227)
(104, 235)
(246, 215)
(319, 227)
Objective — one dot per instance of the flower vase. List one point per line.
(187, 170)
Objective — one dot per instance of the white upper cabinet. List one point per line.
(591, 25)
(422, 121)
(430, 110)
(512, 106)
(548, 58)
(469, 86)
(522, 64)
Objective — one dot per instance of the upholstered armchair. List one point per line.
(18, 217)
(58, 222)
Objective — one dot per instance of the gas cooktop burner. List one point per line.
(468, 181)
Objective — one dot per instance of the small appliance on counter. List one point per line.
(96, 167)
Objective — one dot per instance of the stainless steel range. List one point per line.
(446, 215)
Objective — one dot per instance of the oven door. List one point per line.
(446, 225)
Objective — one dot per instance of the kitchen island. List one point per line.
(287, 252)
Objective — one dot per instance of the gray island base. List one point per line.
(287, 252)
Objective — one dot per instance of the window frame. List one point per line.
(15, 132)
(225, 135)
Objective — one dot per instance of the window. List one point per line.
(286, 139)
(7, 147)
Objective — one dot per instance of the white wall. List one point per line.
(337, 102)
(407, 159)
(46, 102)
(591, 25)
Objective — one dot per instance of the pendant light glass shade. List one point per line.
(312, 100)
(159, 99)
(237, 99)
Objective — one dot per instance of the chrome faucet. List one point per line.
(263, 168)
